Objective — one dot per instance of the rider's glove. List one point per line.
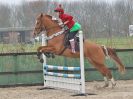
(65, 27)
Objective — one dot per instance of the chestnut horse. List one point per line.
(93, 52)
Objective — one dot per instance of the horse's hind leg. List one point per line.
(105, 72)
(107, 75)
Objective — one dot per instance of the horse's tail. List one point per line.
(112, 53)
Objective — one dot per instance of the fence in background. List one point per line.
(25, 69)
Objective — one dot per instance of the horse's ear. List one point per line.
(41, 15)
(60, 5)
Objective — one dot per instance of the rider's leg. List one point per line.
(72, 41)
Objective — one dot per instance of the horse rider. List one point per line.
(68, 21)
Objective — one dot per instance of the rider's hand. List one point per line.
(65, 27)
(61, 24)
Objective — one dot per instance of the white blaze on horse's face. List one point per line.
(38, 27)
(36, 22)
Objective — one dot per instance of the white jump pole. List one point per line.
(82, 62)
(44, 43)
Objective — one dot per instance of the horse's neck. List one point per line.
(52, 27)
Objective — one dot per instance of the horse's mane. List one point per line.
(53, 18)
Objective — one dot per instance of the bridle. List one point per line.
(41, 28)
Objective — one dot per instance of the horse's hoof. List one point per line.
(38, 55)
(48, 56)
(41, 60)
(113, 85)
(53, 56)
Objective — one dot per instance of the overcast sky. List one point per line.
(19, 1)
(14, 1)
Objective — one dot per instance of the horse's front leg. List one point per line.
(39, 52)
(47, 50)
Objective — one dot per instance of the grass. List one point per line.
(123, 42)
(18, 47)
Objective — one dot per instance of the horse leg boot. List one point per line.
(47, 54)
(106, 82)
(39, 55)
(108, 78)
(72, 43)
(52, 55)
(113, 82)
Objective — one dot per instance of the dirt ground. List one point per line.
(123, 90)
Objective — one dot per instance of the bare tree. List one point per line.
(98, 19)
(4, 16)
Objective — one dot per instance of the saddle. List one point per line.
(66, 44)
(67, 38)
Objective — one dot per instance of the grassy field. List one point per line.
(124, 43)
(18, 47)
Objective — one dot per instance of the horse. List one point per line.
(94, 53)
